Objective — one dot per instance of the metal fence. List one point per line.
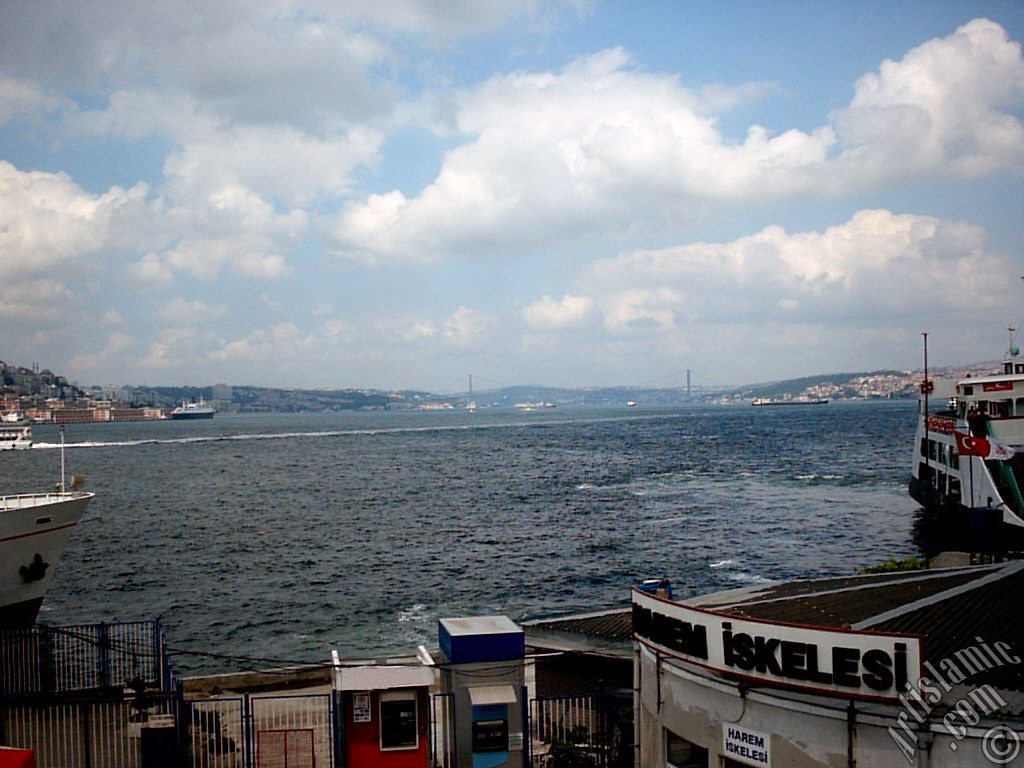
(45, 661)
(93, 734)
(442, 730)
(261, 731)
(569, 730)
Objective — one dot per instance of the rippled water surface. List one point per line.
(284, 536)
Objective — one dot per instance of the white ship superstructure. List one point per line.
(969, 455)
(14, 437)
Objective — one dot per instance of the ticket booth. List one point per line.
(483, 675)
(385, 715)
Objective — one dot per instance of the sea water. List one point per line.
(282, 536)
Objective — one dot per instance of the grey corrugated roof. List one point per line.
(607, 625)
(989, 611)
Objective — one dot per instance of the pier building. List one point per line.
(921, 669)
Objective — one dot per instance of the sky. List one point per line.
(559, 192)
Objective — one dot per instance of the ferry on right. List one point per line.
(968, 460)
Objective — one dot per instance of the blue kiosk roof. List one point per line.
(481, 638)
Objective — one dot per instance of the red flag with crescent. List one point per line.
(968, 445)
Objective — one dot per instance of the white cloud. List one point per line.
(467, 327)
(270, 302)
(38, 299)
(20, 98)
(878, 267)
(116, 343)
(275, 163)
(549, 314)
(322, 309)
(178, 349)
(180, 311)
(849, 297)
(604, 147)
(48, 222)
(150, 272)
(844, 296)
(278, 344)
(339, 332)
(942, 108)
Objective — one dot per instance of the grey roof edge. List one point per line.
(755, 595)
(574, 616)
(1003, 570)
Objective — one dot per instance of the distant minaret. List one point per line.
(687, 383)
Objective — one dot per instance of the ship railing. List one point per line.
(26, 500)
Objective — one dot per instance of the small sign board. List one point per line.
(746, 746)
(362, 712)
(515, 742)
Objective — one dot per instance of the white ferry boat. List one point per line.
(969, 455)
(15, 432)
(34, 529)
(198, 410)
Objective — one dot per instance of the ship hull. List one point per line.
(34, 530)
(191, 416)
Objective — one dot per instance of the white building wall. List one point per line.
(807, 732)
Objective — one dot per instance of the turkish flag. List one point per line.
(967, 445)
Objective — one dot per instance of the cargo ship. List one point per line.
(198, 410)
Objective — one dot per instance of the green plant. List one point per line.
(893, 565)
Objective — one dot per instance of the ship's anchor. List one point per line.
(34, 571)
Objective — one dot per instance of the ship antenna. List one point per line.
(1013, 351)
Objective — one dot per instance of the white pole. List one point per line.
(62, 486)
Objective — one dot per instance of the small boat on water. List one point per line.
(15, 432)
(198, 410)
(763, 401)
(969, 453)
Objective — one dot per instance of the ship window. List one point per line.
(1000, 408)
(954, 488)
(954, 460)
(932, 450)
(968, 390)
(1007, 367)
(924, 447)
(1020, 367)
(1020, 406)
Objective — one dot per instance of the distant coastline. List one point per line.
(48, 398)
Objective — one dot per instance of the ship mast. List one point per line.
(926, 388)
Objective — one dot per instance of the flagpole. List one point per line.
(924, 390)
(970, 470)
